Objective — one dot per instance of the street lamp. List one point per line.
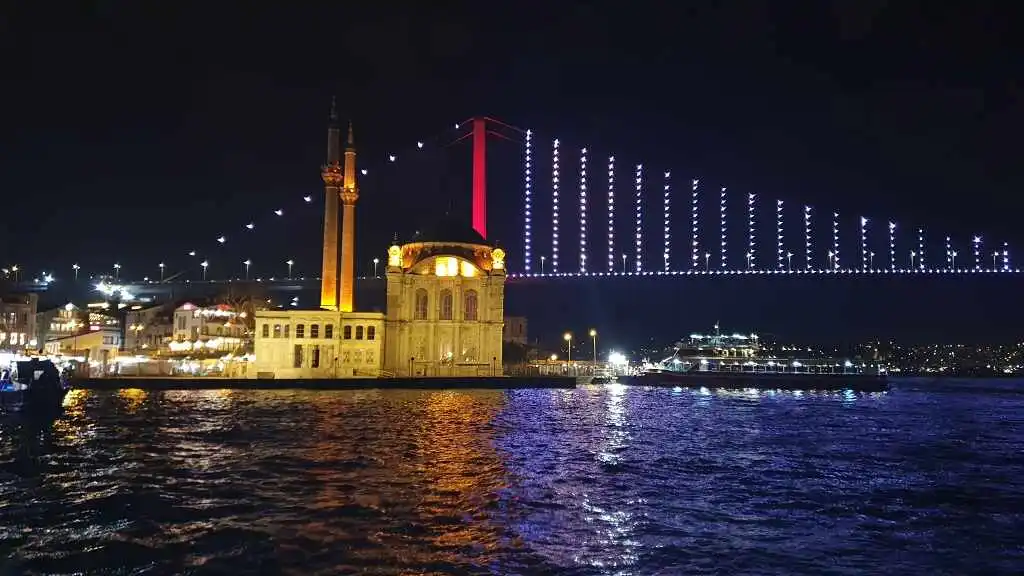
(76, 268)
(952, 260)
(748, 260)
(161, 266)
(568, 338)
(117, 271)
(290, 263)
(623, 262)
(994, 256)
(375, 262)
(707, 259)
(912, 256)
(204, 264)
(542, 259)
(828, 260)
(871, 260)
(789, 261)
(593, 336)
(247, 264)
(15, 270)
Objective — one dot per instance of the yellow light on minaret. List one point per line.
(349, 196)
(394, 256)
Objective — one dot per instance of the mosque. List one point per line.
(444, 307)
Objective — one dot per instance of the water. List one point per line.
(928, 479)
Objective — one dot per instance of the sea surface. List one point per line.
(925, 479)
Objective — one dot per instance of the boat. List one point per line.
(737, 361)
(35, 387)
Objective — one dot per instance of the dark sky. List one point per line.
(133, 133)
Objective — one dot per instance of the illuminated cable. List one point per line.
(667, 220)
(583, 211)
(977, 252)
(1006, 257)
(863, 243)
(554, 208)
(639, 216)
(723, 252)
(527, 201)
(835, 240)
(807, 238)
(892, 246)
(920, 249)
(695, 224)
(778, 232)
(751, 231)
(611, 214)
(949, 254)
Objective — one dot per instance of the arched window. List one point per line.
(471, 301)
(446, 304)
(421, 304)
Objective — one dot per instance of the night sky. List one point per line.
(133, 134)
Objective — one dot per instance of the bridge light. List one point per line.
(1006, 257)
(835, 240)
(723, 251)
(391, 158)
(667, 220)
(949, 254)
(778, 233)
(420, 144)
(363, 171)
(695, 224)
(977, 252)
(639, 216)
(920, 249)
(279, 212)
(892, 246)
(751, 230)
(221, 239)
(307, 199)
(583, 211)
(807, 238)
(528, 201)
(554, 208)
(611, 214)
(250, 225)
(863, 243)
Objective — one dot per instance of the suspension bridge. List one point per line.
(582, 214)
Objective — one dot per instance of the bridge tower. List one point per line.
(333, 180)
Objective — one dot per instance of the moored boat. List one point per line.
(35, 387)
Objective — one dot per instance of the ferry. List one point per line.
(736, 361)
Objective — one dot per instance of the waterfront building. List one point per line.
(206, 329)
(98, 347)
(148, 328)
(62, 321)
(18, 321)
(444, 311)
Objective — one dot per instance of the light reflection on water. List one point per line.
(598, 480)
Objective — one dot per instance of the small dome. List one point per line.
(450, 229)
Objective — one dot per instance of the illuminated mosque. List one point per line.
(444, 304)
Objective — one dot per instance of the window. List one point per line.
(446, 304)
(329, 331)
(371, 332)
(369, 355)
(297, 356)
(300, 330)
(277, 330)
(421, 305)
(471, 305)
(287, 330)
(347, 332)
(266, 330)
(359, 332)
(315, 361)
(314, 330)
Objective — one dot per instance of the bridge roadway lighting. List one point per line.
(247, 264)
(623, 262)
(707, 259)
(542, 260)
(290, 263)
(76, 268)
(15, 270)
(952, 259)
(871, 260)
(568, 338)
(593, 336)
(789, 261)
(117, 271)
(376, 261)
(828, 259)
(161, 266)
(748, 260)
(912, 255)
(994, 256)
(204, 264)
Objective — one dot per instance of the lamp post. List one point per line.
(593, 336)
(204, 264)
(117, 271)
(994, 256)
(76, 268)
(952, 260)
(15, 270)
(247, 264)
(375, 262)
(789, 261)
(542, 259)
(568, 339)
(161, 266)
(623, 262)
(707, 260)
(912, 256)
(828, 259)
(748, 260)
(871, 260)
(290, 263)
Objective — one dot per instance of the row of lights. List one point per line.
(798, 271)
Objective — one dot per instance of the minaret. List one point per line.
(332, 176)
(349, 195)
